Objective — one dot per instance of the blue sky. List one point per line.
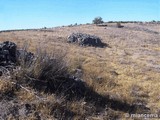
(22, 14)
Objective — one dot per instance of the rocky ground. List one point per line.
(127, 70)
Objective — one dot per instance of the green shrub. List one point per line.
(97, 20)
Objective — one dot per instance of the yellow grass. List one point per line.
(130, 57)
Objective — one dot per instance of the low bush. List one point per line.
(97, 20)
(40, 71)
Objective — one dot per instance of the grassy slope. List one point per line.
(128, 71)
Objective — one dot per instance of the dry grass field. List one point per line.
(126, 73)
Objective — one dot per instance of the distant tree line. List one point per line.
(99, 20)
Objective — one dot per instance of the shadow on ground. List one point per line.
(76, 90)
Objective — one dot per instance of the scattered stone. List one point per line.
(7, 53)
(9, 56)
(26, 56)
(85, 40)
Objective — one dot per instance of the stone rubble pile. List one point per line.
(9, 54)
(85, 40)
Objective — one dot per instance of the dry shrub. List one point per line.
(41, 70)
(7, 89)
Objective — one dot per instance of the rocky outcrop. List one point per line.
(85, 40)
(9, 54)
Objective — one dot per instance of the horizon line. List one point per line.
(44, 27)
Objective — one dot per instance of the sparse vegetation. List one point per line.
(46, 75)
(112, 81)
